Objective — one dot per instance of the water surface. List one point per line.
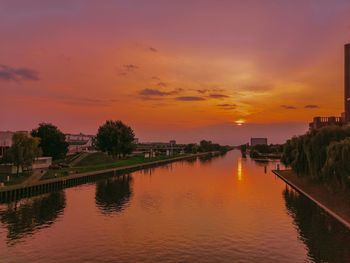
(224, 209)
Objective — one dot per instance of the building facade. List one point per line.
(344, 119)
(5, 141)
(79, 142)
(258, 141)
(347, 83)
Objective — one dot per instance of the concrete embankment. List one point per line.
(15, 192)
(317, 202)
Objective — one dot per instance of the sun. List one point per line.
(239, 122)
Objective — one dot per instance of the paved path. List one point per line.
(35, 177)
(78, 159)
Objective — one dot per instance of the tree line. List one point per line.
(322, 154)
(205, 146)
(114, 137)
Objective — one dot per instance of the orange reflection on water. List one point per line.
(239, 169)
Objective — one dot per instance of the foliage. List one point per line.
(208, 146)
(254, 154)
(264, 150)
(321, 154)
(337, 166)
(52, 140)
(191, 148)
(115, 138)
(243, 149)
(24, 150)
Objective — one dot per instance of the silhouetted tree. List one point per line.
(52, 140)
(191, 148)
(115, 138)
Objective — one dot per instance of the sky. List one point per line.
(184, 70)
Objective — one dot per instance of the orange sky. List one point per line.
(180, 65)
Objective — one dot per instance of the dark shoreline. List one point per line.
(301, 187)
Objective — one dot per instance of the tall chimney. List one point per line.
(347, 82)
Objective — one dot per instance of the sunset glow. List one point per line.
(186, 67)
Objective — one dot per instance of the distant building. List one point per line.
(5, 141)
(347, 83)
(172, 142)
(42, 162)
(258, 141)
(320, 122)
(79, 142)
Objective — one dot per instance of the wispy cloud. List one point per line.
(153, 49)
(202, 91)
(189, 98)
(311, 106)
(130, 67)
(288, 107)
(162, 84)
(227, 106)
(17, 74)
(157, 92)
(263, 87)
(218, 96)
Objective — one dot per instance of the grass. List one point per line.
(99, 161)
(338, 202)
(14, 179)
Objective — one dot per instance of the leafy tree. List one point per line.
(337, 167)
(205, 146)
(115, 138)
(322, 154)
(52, 140)
(243, 149)
(191, 148)
(24, 150)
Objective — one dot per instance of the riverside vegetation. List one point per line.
(114, 143)
(322, 155)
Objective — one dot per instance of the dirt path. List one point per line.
(37, 174)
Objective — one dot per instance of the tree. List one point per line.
(337, 167)
(191, 148)
(243, 149)
(115, 138)
(24, 150)
(205, 146)
(321, 154)
(52, 140)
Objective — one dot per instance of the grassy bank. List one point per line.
(14, 179)
(338, 202)
(99, 161)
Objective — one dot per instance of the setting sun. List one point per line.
(239, 122)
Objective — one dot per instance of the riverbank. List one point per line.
(10, 192)
(335, 204)
(99, 161)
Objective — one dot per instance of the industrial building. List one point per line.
(258, 141)
(344, 119)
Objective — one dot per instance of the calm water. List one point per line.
(225, 209)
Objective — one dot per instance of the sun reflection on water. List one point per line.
(239, 169)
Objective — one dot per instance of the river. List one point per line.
(220, 209)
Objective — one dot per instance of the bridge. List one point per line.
(146, 147)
